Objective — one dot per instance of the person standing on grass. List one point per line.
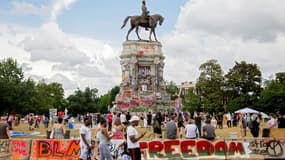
(123, 118)
(219, 119)
(118, 129)
(229, 120)
(272, 123)
(157, 127)
(4, 129)
(58, 129)
(198, 121)
(31, 122)
(281, 120)
(38, 121)
(133, 139)
(128, 117)
(243, 125)
(45, 121)
(180, 123)
(10, 121)
(104, 141)
(149, 119)
(85, 140)
(254, 125)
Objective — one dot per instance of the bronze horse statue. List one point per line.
(137, 21)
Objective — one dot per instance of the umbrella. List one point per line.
(263, 115)
(247, 110)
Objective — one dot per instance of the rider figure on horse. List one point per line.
(145, 13)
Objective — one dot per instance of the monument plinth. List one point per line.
(142, 84)
(142, 65)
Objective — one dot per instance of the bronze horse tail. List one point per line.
(125, 21)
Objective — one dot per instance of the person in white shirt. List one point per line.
(133, 139)
(104, 139)
(191, 130)
(123, 118)
(229, 120)
(85, 140)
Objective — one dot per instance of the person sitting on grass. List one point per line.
(191, 130)
(209, 131)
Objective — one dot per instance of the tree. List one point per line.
(26, 101)
(11, 77)
(48, 96)
(272, 98)
(114, 91)
(191, 101)
(83, 101)
(10, 72)
(209, 85)
(172, 90)
(106, 100)
(243, 85)
(280, 77)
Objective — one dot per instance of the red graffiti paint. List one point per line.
(205, 148)
(169, 148)
(140, 53)
(143, 145)
(58, 149)
(221, 148)
(73, 149)
(186, 148)
(44, 149)
(154, 148)
(190, 148)
(236, 147)
(19, 147)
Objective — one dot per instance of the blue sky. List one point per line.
(95, 18)
(78, 42)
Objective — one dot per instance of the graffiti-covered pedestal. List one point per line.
(142, 64)
(5, 149)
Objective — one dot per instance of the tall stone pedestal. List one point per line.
(142, 84)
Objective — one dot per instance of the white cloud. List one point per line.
(229, 31)
(52, 10)
(26, 67)
(68, 84)
(49, 53)
(254, 19)
(58, 6)
(53, 45)
(226, 30)
(91, 71)
(27, 8)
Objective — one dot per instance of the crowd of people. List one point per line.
(124, 125)
(163, 125)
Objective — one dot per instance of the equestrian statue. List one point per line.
(145, 20)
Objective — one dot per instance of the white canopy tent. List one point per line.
(264, 115)
(247, 110)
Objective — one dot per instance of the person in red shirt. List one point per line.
(38, 121)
